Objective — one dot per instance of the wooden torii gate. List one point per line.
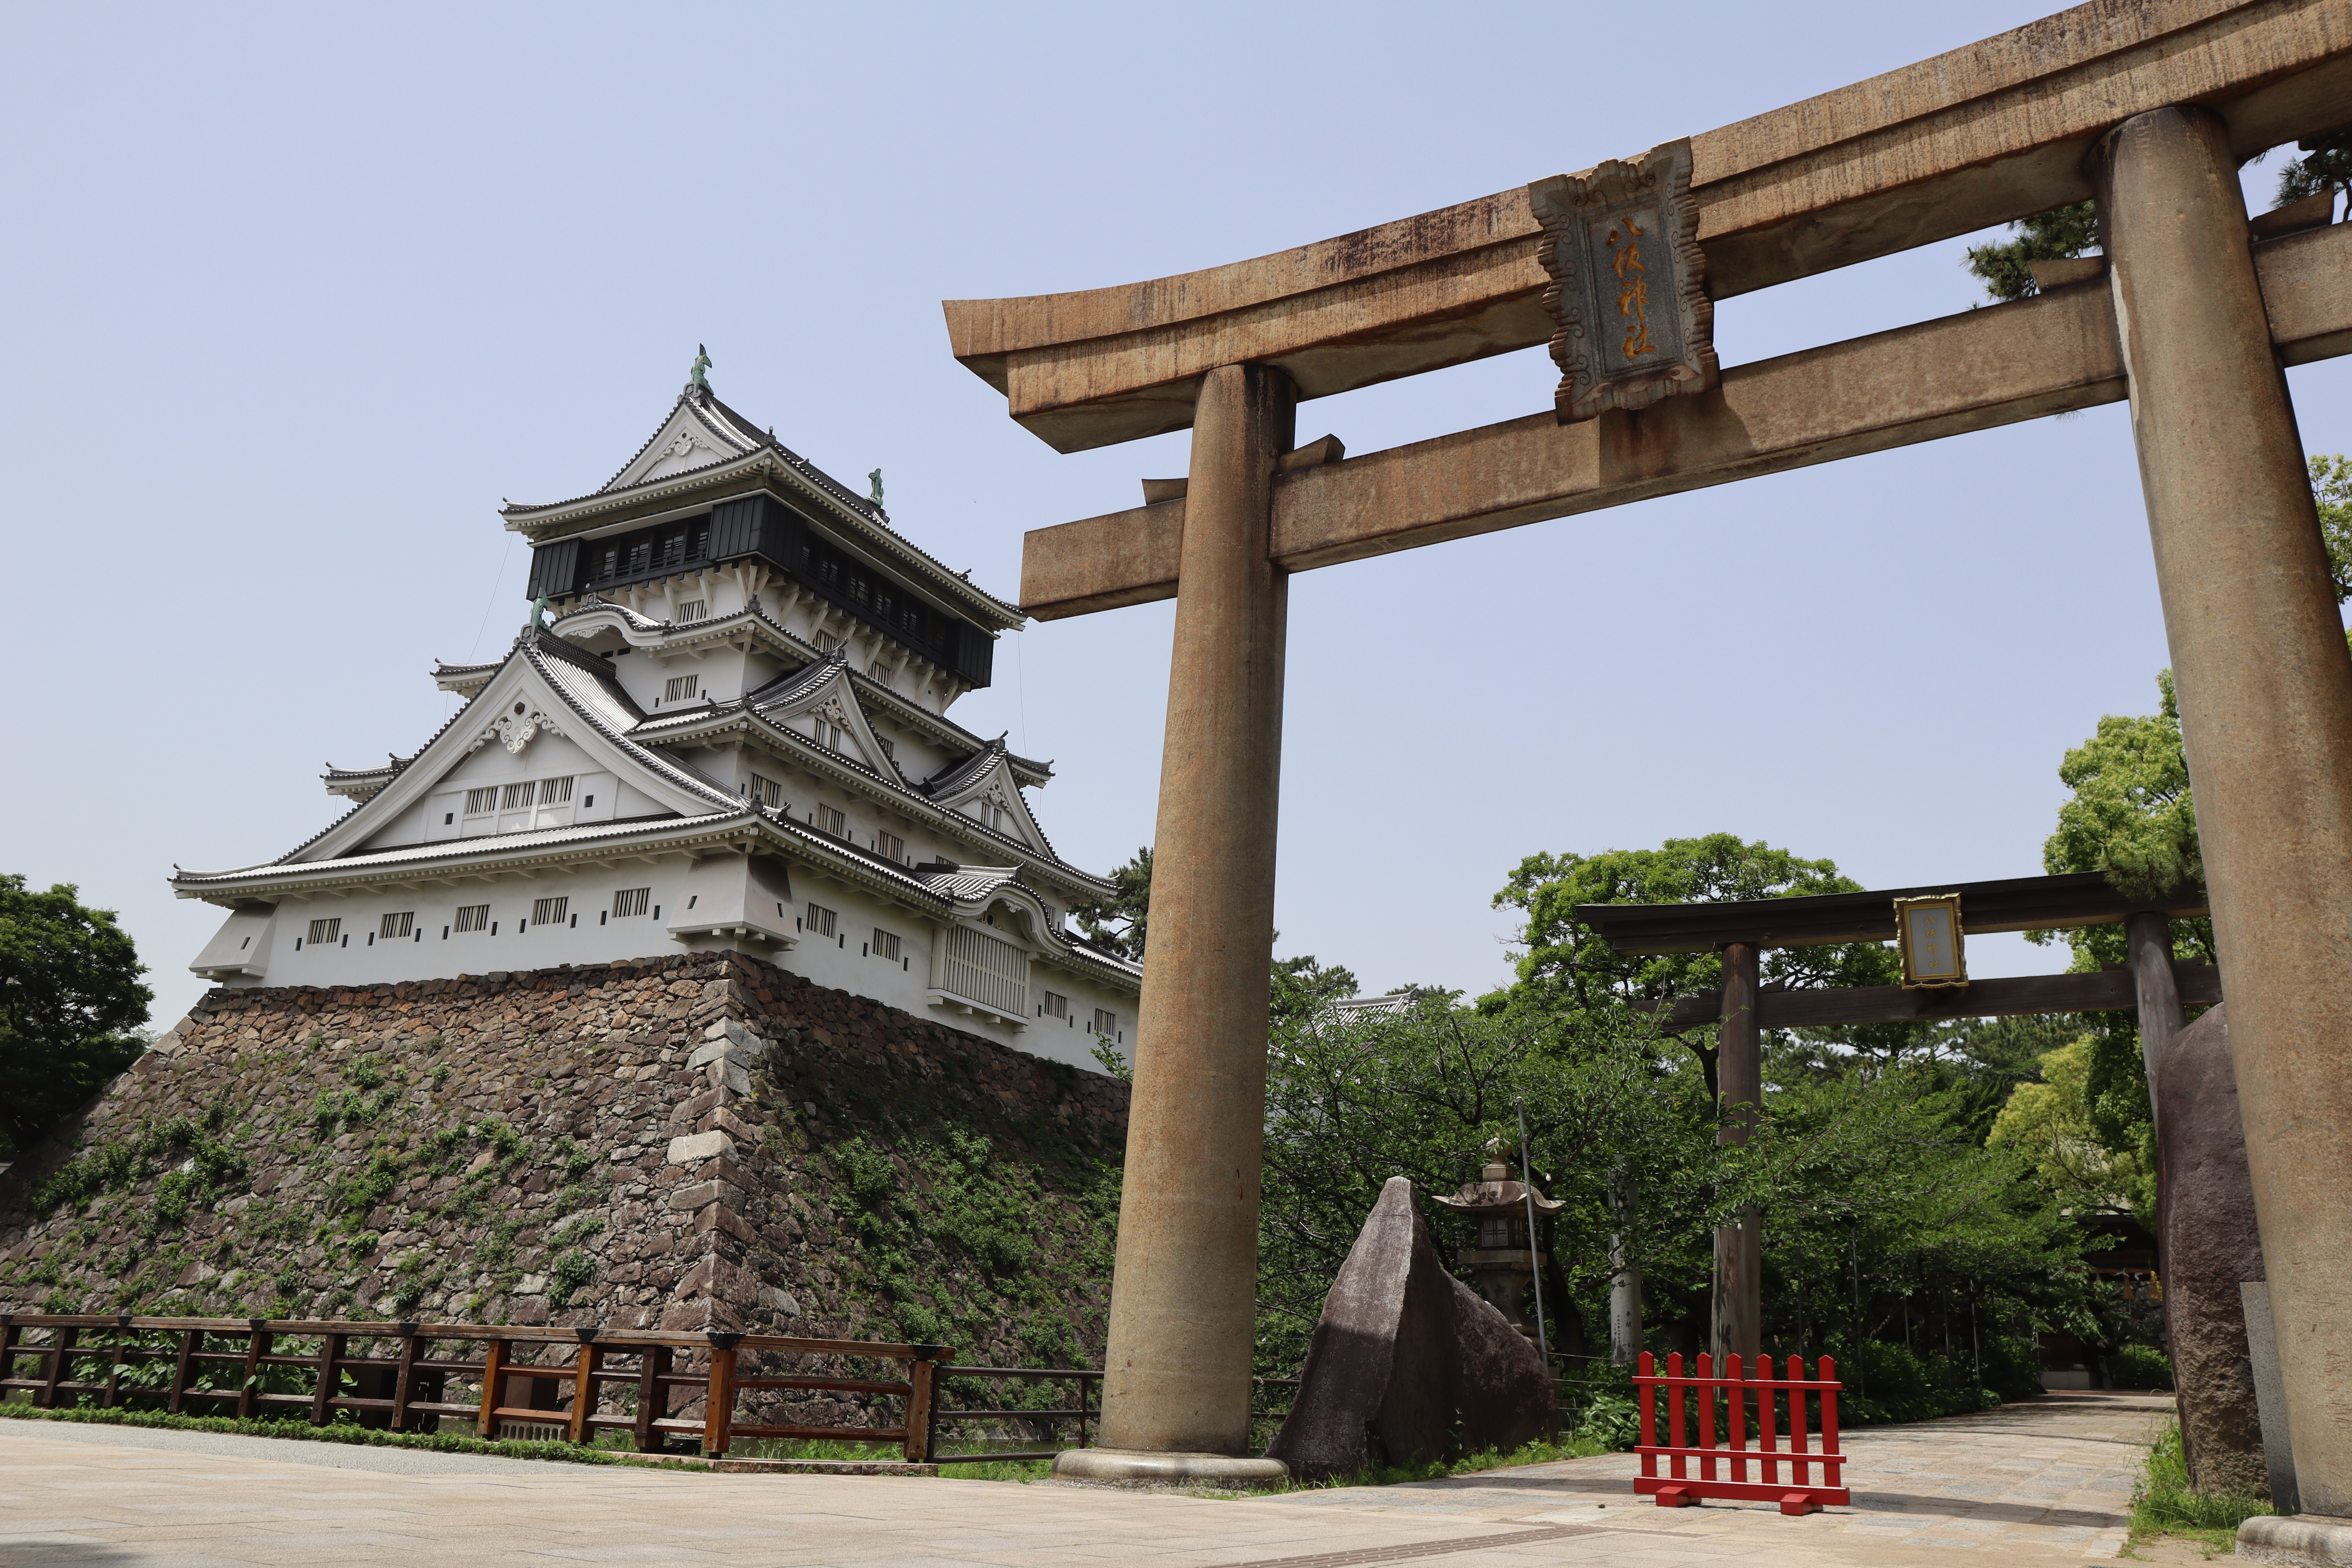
(2145, 104)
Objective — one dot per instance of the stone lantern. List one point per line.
(1503, 1259)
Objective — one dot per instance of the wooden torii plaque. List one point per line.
(2146, 105)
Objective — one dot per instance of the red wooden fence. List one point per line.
(1733, 1397)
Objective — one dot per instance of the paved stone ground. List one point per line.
(2042, 1483)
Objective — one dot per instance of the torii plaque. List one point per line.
(2147, 107)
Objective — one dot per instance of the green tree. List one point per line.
(1568, 964)
(2005, 268)
(1302, 987)
(1118, 920)
(2131, 816)
(2331, 492)
(70, 1005)
(2327, 166)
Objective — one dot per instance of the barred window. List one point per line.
(764, 791)
(890, 847)
(833, 820)
(518, 795)
(818, 921)
(691, 610)
(549, 912)
(679, 687)
(473, 917)
(1106, 1023)
(631, 901)
(828, 735)
(1055, 1006)
(886, 944)
(554, 792)
(397, 926)
(481, 802)
(326, 933)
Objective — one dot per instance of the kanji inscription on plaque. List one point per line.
(1632, 322)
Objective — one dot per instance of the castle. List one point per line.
(723, 727)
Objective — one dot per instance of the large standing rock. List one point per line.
(2210, 1246)
(1408, 1356)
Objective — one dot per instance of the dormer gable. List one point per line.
(983, 788)
(546, 694)
(820, 702)
(697, 434)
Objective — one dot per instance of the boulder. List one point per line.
(1407, 1363)
(2210, 1246)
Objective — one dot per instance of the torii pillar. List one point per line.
(2265, 688)
(1183, 1301)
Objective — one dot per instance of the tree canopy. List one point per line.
(71, 1005)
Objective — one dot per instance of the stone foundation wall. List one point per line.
(698, 1141)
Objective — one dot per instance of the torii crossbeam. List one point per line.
(2146, 105)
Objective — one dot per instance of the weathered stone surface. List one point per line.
(2210, 1245)
(1408, 1355)
(497, 1149)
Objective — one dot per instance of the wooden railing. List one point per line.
(402, 1385)
(1088, 1410)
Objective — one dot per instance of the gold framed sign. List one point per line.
(1627, 294)
(1928, 931)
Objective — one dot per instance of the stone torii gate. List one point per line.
(2146, 105)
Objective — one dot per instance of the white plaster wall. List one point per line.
(436, 949)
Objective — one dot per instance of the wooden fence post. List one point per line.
(403, 1382)
(922, 1407)
(330, 1379)
(652, 1395)
(494, 1367)
(583, 1387)
(184, 1368)
(61, 1345)
(257, 1345)
(113, 1373)
(718, 1406)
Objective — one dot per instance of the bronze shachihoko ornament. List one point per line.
(1627, 293)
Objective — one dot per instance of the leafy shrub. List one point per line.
(2139, 1366)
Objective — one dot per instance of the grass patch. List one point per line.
(344, 1432)
(2165, 1504)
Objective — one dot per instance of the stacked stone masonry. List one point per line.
(699, 1142)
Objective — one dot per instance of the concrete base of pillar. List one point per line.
(1134, 1468)
(2299, 1537)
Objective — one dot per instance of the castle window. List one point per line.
(641, 556)
(473, 917)
(549, 912)
(692, 610)
(1055, 1006)
(764, 791)
(554, 792)
(833, 820)
(824, 641)
(394, 927)
(679, 687)
(325, 933)
(890, 847)
(481, 802)
(886, 944)
(827, 733)
(518, 795)
(630, 901)
(1106, 1023)
(818, 921)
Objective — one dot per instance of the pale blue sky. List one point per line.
(297, 294)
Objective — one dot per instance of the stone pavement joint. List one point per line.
(1424, 1549)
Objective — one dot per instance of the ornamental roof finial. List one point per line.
(701, 362)
(875, 478)
(539, 613)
